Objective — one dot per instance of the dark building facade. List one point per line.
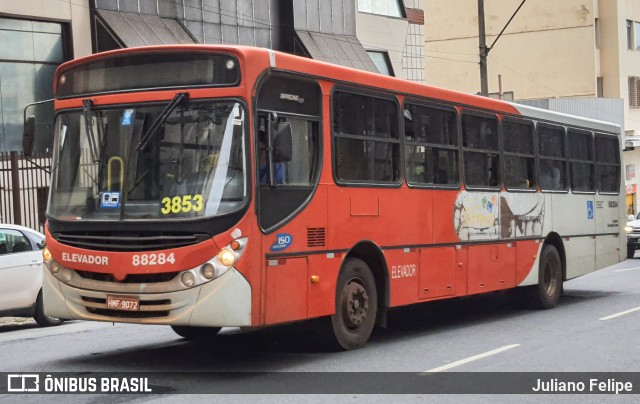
(320, 29)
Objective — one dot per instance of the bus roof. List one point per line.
(353, 77)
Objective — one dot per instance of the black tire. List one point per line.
(356, 305)
(42, 319)
(546, 293)
(631, 252)
(195, 333)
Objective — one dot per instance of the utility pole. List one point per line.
(484, 50)
(484, 85)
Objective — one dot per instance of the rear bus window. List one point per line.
(581, 163)
(608, 163)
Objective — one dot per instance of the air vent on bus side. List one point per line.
(144, 241)
(316, 236)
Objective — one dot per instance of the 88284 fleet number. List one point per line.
(152, 259)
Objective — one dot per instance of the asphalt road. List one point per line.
(594, 328)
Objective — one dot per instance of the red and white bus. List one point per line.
(212, 186)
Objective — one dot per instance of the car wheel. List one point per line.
(42, 319)
(195, 333)
(356, 305)
(631, 251)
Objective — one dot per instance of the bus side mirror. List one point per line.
(630, 218)
(29, 135)
(282, 143)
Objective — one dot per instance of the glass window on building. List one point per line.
(391, 8)
(382, 62)
(30, 51)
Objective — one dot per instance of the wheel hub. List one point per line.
(355, 305)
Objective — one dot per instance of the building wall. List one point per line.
(384, 33)
(75, 13)
(402, 39)
(545, 43)
(35, 37)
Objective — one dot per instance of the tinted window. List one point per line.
(581, 161)
(431, 150)
(519, 155)
(552, 164)
(367, 146)
(608, 163)
(481, 157)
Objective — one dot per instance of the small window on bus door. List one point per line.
(481, 151)
(431, 145)
(519, 154)
(581, 161)
(366, 139)
(608, 163)
(552, 163)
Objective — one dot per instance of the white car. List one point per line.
(21, 274)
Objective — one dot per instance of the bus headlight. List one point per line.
(628, 229)
(46, 255)
(227, 258)
(188, 279)
(215, 267)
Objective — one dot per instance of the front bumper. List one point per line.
(222, 302)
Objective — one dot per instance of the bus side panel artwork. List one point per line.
(403, 275)
(437, 272)
(286, 291)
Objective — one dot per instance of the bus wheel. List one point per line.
(195, 333)
(631, 251)
(546, 293)
(356, 305)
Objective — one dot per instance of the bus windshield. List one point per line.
(149, 162)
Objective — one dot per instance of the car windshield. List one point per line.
(149, 162)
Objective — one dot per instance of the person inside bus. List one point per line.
(262, 161)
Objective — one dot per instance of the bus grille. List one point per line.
(108, 241)
(133, 278)
(104, 311)
(316, 236)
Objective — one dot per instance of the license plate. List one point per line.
(125, 303)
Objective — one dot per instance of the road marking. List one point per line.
(471, 359)
(628, 269)
(622, 313)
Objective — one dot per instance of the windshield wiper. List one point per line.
(149, 135)
(88, 125)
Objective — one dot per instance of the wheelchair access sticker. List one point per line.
(110, 200)
(589, 210)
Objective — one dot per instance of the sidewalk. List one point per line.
(15, 320)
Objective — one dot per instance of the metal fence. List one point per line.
(24, 189)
